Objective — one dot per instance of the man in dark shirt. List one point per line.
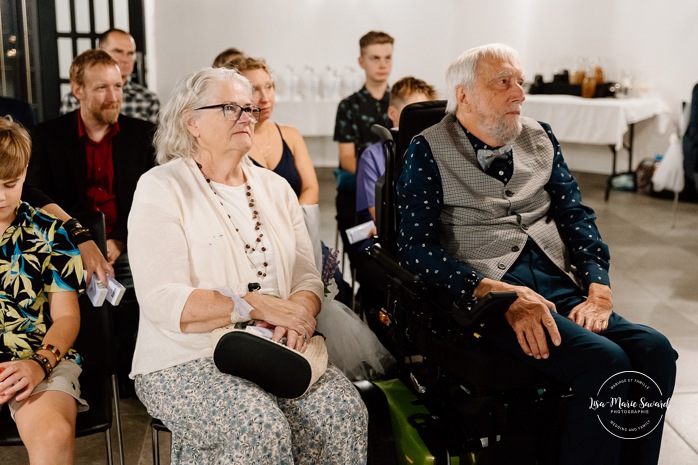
(487, 203)
(367, 106)
(355, 116)
(138, 101)
(90, 160)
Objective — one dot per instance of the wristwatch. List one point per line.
(253, 287)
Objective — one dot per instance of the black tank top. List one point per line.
(286, 168)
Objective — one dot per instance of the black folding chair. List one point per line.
(157, 427)
(481, 398)
(98, 382)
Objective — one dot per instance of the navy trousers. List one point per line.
(585, 360)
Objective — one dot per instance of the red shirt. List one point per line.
(100, 173)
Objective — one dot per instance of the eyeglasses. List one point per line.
(233, 111)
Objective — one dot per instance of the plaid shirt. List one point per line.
(138, 102)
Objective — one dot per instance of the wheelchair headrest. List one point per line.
(382, 132)
(416, 117)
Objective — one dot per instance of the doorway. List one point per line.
(21, 70)
(40, 38)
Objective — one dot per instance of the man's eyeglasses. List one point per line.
(233, 111)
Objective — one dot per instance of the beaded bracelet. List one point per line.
(43, 362)
(54, 350)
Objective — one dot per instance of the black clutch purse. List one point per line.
(241, 351)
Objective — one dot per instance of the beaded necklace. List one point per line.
(257, 243)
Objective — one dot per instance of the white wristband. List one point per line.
(241, 308)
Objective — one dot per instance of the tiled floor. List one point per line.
(655, 281)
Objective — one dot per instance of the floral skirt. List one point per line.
(219, 419)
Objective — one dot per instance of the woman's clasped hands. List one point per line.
(287, 319)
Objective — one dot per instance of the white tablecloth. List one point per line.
(312, 119)
(602, 121)
(598, 121)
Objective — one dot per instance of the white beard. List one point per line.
(503, 129)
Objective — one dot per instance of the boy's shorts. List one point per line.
(64, 378)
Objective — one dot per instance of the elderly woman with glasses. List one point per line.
(204, 225)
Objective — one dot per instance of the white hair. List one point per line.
(172, 139)
(463, 70)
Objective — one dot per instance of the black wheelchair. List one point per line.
(455, 399)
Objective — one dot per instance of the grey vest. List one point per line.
(485, 223)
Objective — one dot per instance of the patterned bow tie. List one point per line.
(485, 156)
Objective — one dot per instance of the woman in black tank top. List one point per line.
(278, 148)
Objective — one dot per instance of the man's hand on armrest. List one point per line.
(529, 316)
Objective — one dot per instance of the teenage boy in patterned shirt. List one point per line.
(355, 116)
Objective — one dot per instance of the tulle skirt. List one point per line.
(351, 345)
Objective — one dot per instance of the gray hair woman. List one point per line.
(204, 224)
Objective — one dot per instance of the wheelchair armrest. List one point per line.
(415, 308)
(490, 306)
(394, 270)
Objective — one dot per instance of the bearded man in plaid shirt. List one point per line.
(138, 101)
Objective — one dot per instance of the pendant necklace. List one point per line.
(263, 153)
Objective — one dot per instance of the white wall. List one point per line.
(657, 40)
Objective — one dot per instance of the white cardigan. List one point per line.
(181, 239)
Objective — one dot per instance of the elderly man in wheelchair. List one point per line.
(486, 203)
